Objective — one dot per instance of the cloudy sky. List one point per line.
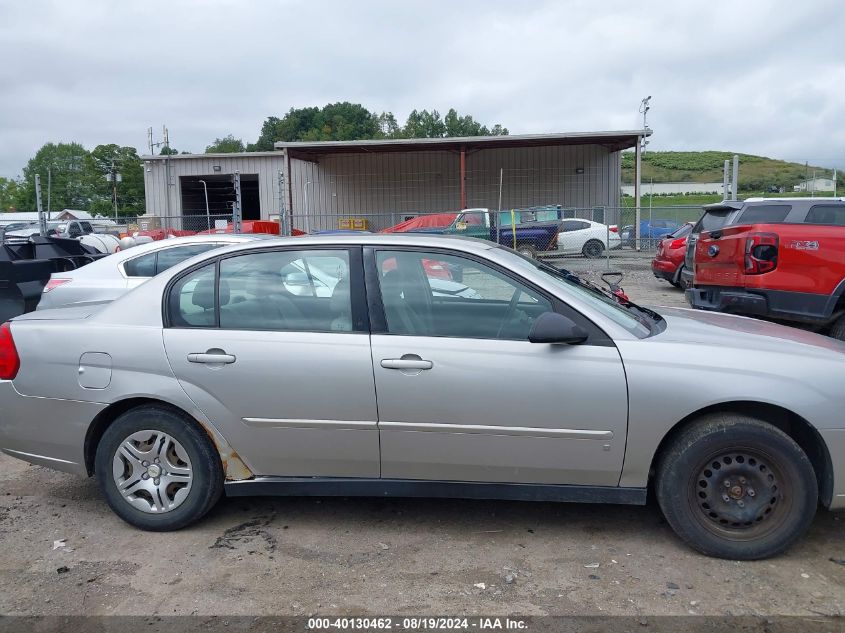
(765, 77)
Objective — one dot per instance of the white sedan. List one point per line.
(586, 237)
(106, 279)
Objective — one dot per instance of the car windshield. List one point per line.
(639, 321)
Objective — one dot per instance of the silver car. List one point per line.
(106, 279)
(214, 377)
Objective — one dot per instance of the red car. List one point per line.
(669, 261)
(784, 261)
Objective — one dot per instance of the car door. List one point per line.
(572, 236)
(287, 378)
(463, 395)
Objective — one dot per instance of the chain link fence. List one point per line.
(595, 238)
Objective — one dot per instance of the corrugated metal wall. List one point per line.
(387, 186)
(393, 184)
(266, 167)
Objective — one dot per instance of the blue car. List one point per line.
(651, 232)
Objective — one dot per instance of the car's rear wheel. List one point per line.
(593, 249)
(157, 469)
(676, 279)
(837, 330)
(736, 487)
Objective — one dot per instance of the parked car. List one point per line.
(651, 232)
(80, 230)
(528, 237)
(108, 278)
(782, 259)
(587, 238)
(233, 384)
(668, 263)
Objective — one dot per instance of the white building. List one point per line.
(816, 184)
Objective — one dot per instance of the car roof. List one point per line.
(194, 239)
(469, 244)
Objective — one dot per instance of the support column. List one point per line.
(463, 177)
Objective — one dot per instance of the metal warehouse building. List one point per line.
(314, 185)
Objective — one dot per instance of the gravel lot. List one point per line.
(371, 556)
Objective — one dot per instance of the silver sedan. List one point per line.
(215, 377)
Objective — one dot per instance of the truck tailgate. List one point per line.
(720, 257)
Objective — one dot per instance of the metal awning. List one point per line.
(310, 150)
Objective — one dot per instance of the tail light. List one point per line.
(10, 362)
(55, 283)
(761, 253)
(614, 228)
(677, 243)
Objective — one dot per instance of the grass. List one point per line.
(756, 173)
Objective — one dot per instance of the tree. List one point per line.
(113, 159)
(67, 166)
(424, 124)
(346, 121)
(467, 126)
(8, 193)
(168, 151)
(226, 145)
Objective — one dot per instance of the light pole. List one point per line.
(207, 213)
(305, 206)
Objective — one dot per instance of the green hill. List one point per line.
(756, 173)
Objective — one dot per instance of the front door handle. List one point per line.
(211, 358)
(406, 363)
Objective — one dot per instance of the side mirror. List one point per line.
(551, 327)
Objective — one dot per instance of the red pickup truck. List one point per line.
(787, 264)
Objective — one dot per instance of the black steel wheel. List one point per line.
(736, 487)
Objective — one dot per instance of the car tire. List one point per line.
(837, 330)
(593, 249)
(735, 487)
(676, 278)
(190, 474)
(527, 251)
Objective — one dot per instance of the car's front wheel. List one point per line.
(157, 469)
(736, 487)
(837, 330)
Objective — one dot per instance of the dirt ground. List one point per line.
(63, 552)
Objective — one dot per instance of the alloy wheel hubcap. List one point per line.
(152, 471)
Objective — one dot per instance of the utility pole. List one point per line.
(114, 187)
(725, 193)
(813, 190)
(42, 220)
(166, 141)
(644, 108)
(282, 205)
(49, 188)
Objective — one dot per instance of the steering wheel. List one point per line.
(509, 312)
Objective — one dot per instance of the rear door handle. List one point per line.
(406, 363)
(211, 359)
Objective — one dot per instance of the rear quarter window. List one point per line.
(830, 214)
(764, 214)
